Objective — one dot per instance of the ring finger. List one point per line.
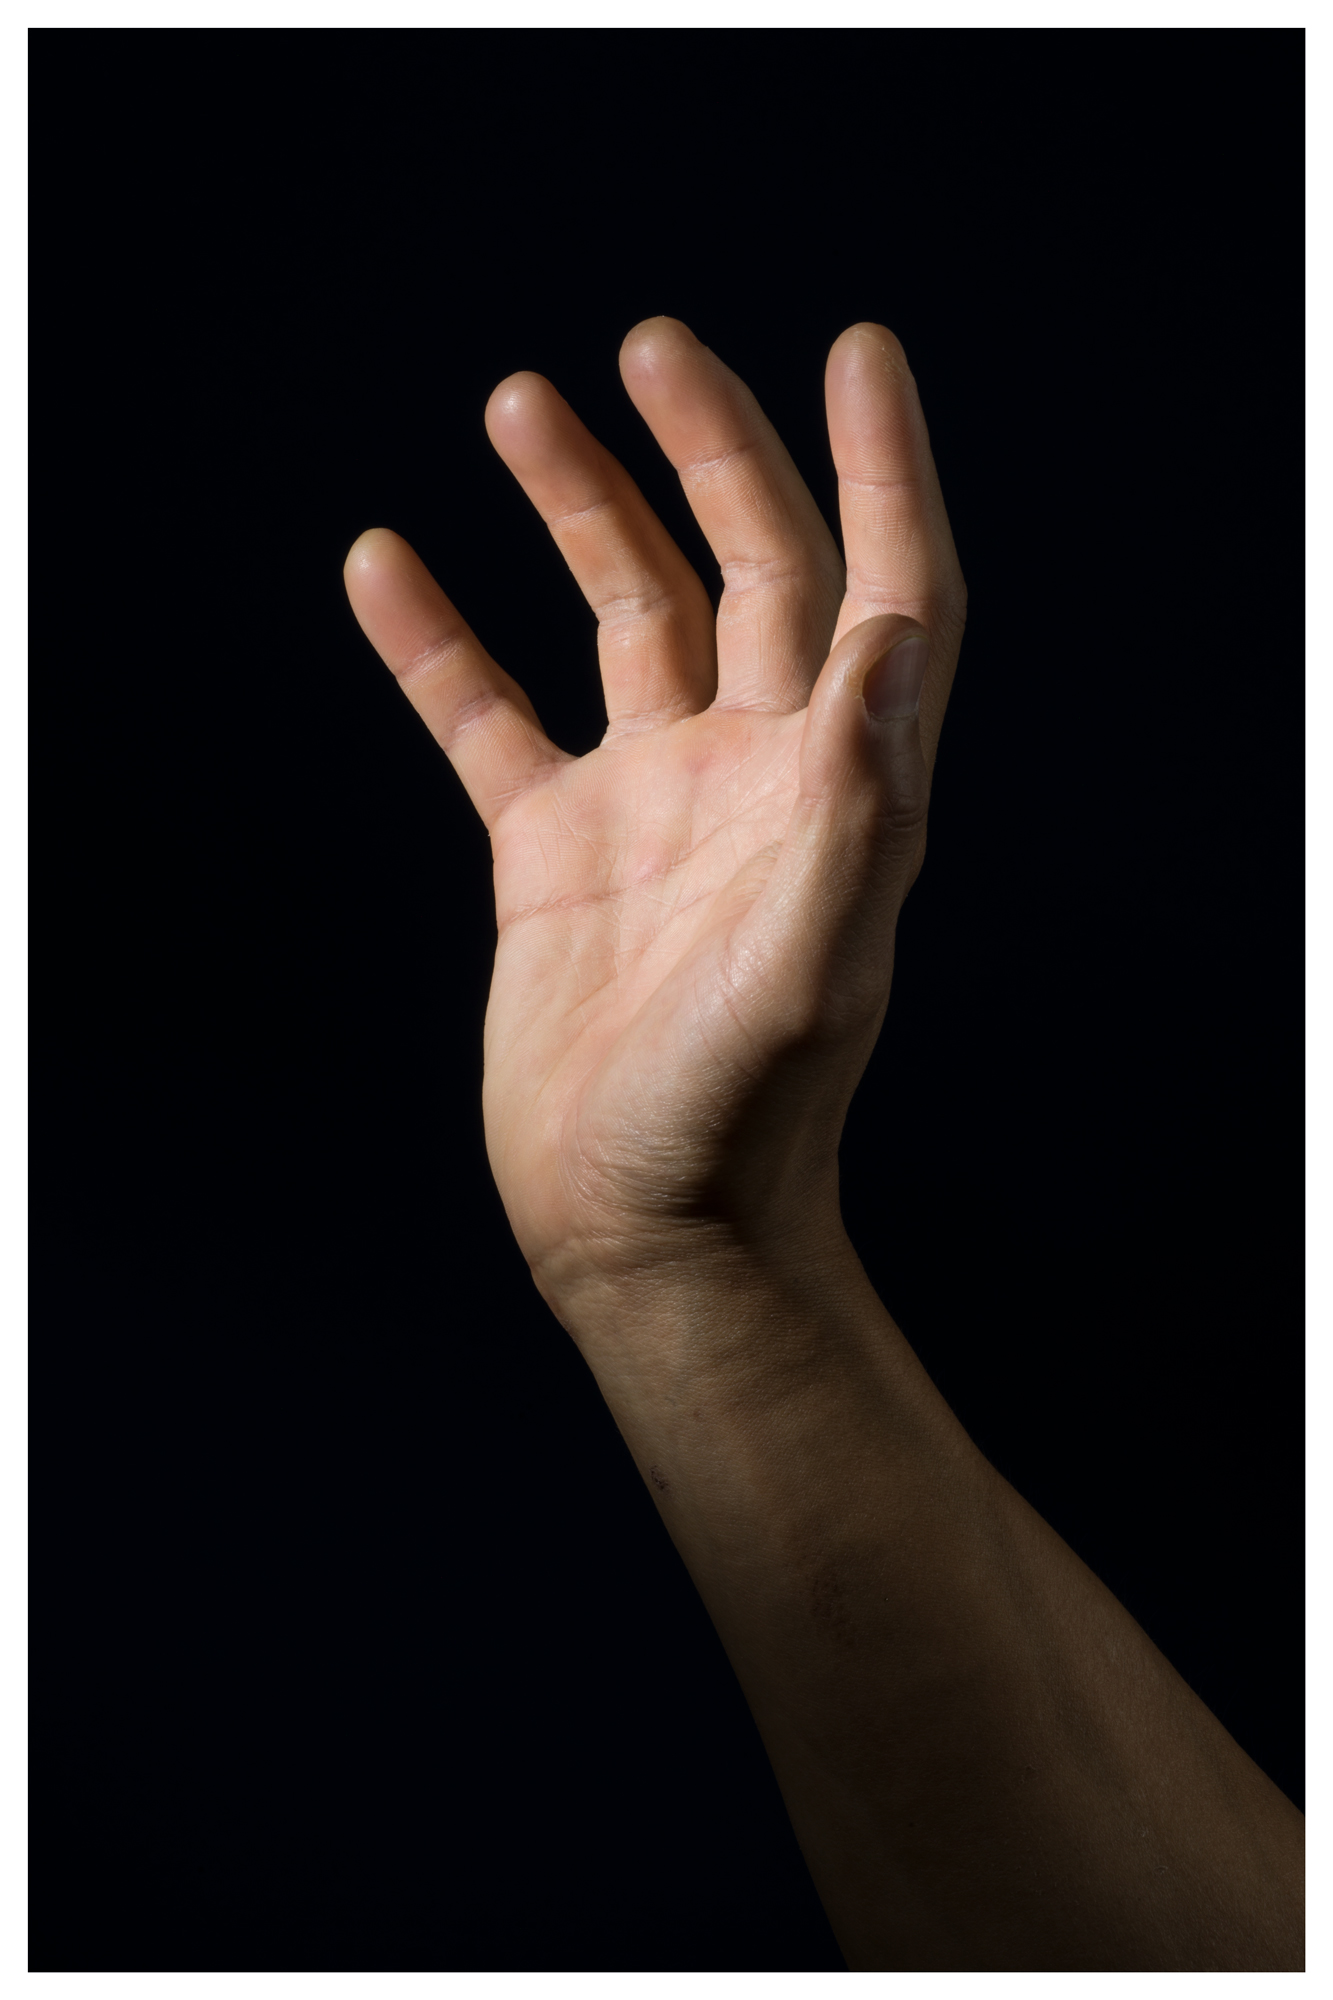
(655, 633)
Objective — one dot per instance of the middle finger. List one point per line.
(780, 566)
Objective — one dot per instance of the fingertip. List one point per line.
(657, 327)
(868, 343)
(891, 686)
(516, 397)
(650, 343)
(368, 551)
(383, 573)
(870, 329)
(855, 657)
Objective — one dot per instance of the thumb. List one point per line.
(864, 783)
(857, 835)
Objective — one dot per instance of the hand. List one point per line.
(696, 920)
(696, 930)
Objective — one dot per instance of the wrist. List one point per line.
(741, 1331)
(696, 1291)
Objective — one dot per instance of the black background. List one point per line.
(357, 1642)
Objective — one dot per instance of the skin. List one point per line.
(987, 1763)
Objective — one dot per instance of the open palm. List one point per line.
(695, 920)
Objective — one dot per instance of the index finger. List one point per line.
(896, 535)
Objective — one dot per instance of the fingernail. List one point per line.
(892, 688)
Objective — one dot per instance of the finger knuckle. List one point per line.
(902, 805)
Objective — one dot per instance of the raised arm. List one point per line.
(987, 1763)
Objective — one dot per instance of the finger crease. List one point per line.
(713, 461)
(468, 714)
(620, 610)
(431, 657)
(743, 574)
(879, 482)
(554, 521)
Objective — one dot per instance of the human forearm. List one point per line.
(986, 1761)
